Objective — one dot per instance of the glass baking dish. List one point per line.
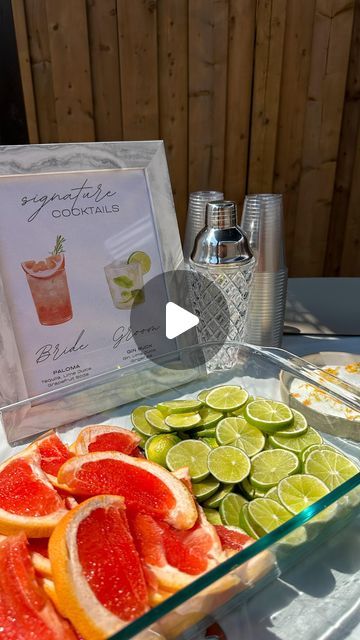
(209, 603)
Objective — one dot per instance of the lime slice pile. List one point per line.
(254, 463)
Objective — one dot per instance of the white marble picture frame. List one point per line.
(56, 158)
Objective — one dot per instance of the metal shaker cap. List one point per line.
(221, 241)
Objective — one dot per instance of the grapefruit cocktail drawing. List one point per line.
(48, 286)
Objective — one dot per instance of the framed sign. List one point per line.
(82, 228)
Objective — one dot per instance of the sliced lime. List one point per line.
(315, 447)
(298, 443)
(245, 522)
(240, 412)
(179, 406)
(183, 421)
(251, 492)
(331, 467)
(212, 515)
(156, 419)
(205, 433)
(209, 417)
(215, 500)
(140, 422)
(297, 428)
(266, 515)
(268, 415)
(239, 433)
(192, 454)
(202, 395)
(143, 439)
(300, 490)
(228, 464)
(269, 467)
(273, 494)
(212, 442)
(205, 489)
(226, 398)
(156, 447)
(142, 258)
(230, 509)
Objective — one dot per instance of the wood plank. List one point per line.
(69, 48)
(208, 38)
(350, 262)
(173, 103)
(269, 46)
(346, 177)
(294, 89)
(105, 68)
(41, 68)
(330, 55)
(18, 10)
(137, 24)
(239, 93)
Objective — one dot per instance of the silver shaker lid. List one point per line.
(221, 241)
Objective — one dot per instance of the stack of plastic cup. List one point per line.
(196, 217)
(262, 222)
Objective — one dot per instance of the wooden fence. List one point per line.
(249, 96)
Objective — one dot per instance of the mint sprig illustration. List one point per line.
(59, 246)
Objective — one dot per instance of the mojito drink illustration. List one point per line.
(125, 283)
(49, 289)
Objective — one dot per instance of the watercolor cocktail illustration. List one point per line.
(48, 285)
(125, 279)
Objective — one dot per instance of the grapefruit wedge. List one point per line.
(28, 501)
(97, 572)
(232, 538)
(145, 485)
(172, 558)
(103, 437)
(53, 453)
(25, 610)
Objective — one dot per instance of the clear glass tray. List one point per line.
(224, 596)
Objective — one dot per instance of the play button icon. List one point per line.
(175, 317)
(178, 320)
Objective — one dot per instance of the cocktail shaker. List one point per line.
(222, 255)
(195, 221)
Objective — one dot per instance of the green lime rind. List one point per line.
(240, 412)
(331, 467)
(205, 489)
(142, 258)
(157, 446)
(212, 516)
(271, 466)
(266, 515)
(250, 491)
(156, 419)
(192, 454)
(268, 415)
(212, 442)
(300, 490)
(226, 398)
(140, 423)
(182, 421)
(245, 522)
(209, 417)
(273, 494)
(230, 508)
(215, 500)
(228, 464)
(297, 428)
(316, 447)
(202, 395)
(238, 432)
(205, 433)
(179, 406)
(298, 443)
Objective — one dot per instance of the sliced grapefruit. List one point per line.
(175, 558)
(97, 571)
(53, 453)
(105, 437)
(28, 501)
(25, 610)
(146, 486)
(39, 553)
(232, 538)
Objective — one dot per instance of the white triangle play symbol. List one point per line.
(178, 320)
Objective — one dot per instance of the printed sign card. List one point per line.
(77, 246)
